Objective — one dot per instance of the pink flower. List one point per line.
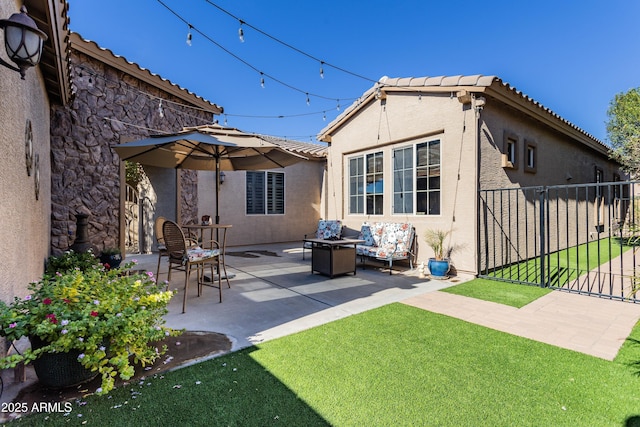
(13, 325)
(46, 301)
(94, 313)
(52, 318)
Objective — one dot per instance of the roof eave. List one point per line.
(55, 65)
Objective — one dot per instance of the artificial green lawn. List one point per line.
(501, 292)
(565, 265)
(395, 365)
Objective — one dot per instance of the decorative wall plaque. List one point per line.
(36, 174)
(28, 145)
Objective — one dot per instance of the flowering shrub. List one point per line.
(110, 317)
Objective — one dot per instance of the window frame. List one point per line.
(509, 155)
(269, 193)
(358, 181)
(416, 192)
(530, 150)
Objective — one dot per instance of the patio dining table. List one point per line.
(204, 233)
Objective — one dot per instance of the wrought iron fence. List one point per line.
(581, 238)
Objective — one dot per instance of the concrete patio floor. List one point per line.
(274, 294)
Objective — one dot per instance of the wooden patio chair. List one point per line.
(182, 257)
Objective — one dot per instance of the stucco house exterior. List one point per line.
(299, 207)
(25, 166)
(418, 150)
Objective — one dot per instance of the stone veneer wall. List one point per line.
(109, 107)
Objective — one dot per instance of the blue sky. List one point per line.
(571, 56)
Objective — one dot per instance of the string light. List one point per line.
(160, 109)
(338, 104)
(308, 100)
(240, 32)
(165, 104)
(261, 79)
(321, 70)
(282, 42)
(252, 66)
(189, 36)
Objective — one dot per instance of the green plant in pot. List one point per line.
(111, 257)
(440, 264)
(103, 320)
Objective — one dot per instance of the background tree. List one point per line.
(134, 173)
(623, 129)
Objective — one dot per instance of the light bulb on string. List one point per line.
(261, 80)
(189, 36)
(308, 100)
(225, 119)
(241, 33)
(321, 70)
(338, 104)
(160, 109)
(324, 116)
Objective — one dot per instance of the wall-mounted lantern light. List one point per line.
(222, 177)
(23, 41)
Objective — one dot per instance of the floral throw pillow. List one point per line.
(329, 229)
(366, 234)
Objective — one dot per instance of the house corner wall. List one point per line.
(24, 239)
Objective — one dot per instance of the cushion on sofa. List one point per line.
(385, 239)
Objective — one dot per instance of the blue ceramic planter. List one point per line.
(438, 268)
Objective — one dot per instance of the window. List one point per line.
(510, 152)
(366, 187)
(530, 160)
(403, 180)
(428, 178)
(416, 183)
(265, 193)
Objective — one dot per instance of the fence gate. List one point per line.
(132, 220)
(580, 238)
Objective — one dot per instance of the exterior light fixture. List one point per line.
(23, 41)
(222, 177)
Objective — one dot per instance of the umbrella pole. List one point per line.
(217, 197)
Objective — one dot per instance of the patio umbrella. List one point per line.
(202, 149)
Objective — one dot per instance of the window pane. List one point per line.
(255, 193)
(434, 203)
(421, 200)
(434, 152)
(356, 185)
(374, 189)
(434, 178)
(403, 180)
(428, 178)
(275, 193)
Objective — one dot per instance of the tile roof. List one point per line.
(444, 83)
(305, 148)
